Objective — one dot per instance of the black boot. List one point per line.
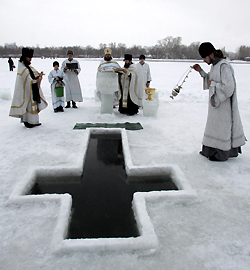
(68, 104)
(74, 104)
(28, 125)
(61, 109)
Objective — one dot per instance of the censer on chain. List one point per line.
(178, 87)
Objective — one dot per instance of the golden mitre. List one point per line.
(107, 51)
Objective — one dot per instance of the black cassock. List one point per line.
(131, 108)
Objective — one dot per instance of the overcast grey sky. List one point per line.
(133, 22)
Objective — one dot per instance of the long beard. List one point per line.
(107, 58)
(26, 63)
(23, 59)
(126, 65)
(211, 60)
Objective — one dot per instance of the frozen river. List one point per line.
(210, 233)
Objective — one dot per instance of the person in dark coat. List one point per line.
(11, 64)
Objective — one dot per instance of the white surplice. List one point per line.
(130, 86)
(56, 101)
(72, 84)
(109, 66)
(144, 76)
(224, 129)
(23, 106)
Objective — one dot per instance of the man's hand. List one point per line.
(197, 67)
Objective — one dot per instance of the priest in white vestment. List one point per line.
(71, 68)
(109, 65)
(55, 78)
(128, 81)
(223, 136)
(144, 74)
(28, 99)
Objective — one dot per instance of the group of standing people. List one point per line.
(66, 77)
(28, 99)
(132, 81)
(223, 135)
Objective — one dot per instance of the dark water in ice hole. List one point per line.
(102, 196)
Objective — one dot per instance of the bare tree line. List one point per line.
(167, 48)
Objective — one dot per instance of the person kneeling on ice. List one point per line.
(57, 85)
(224, 134)
(71, 68)
(28, 99)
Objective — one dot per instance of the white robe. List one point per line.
(72, 84)
(23, 106)
(109, 66)
(129, 83)
(56, 101)
(144, 76)
(224, 128)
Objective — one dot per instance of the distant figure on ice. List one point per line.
(128, 80)
(11, 64)
(57, 87)
(224, 134)
(28, 99)
(144, 74)
(71, 68)
(108, 65)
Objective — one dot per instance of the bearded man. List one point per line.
(28, 99)
(108, 65)
(224, 134)
(128, 81)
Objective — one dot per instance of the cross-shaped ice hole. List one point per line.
(102, 195)
(146, 239)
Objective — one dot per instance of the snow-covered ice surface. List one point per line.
(212, 232)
